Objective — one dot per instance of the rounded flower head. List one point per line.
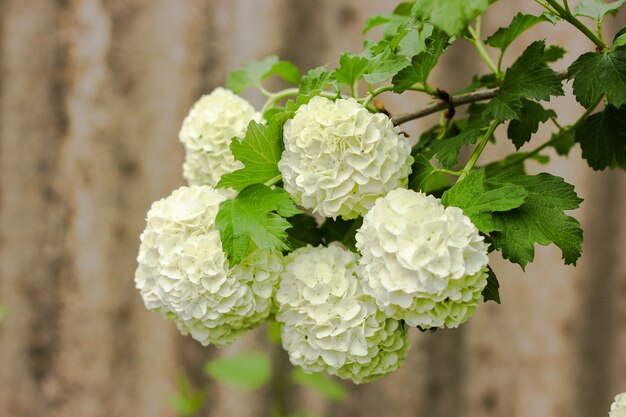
(329, 324)
(618, 408)
(183, 272)
(207, 133)
(422, 262)
(339, 158)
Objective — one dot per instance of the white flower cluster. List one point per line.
(183, 272)
(329, 324)
(618, 408)
(422, 262)
(339, 158)
(214, 120)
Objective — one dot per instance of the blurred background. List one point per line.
(92, 94)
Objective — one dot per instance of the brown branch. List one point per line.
(459, 100)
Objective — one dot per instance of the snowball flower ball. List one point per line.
(618, 408)
(329, 324)
(207, 133)
(339, 158)
(422, 262)
(183, 272)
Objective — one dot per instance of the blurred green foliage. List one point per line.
(322, 384)
(246, 370)
(186, 401)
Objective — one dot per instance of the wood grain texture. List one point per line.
(92, 94)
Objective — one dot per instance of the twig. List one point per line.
(459, 100)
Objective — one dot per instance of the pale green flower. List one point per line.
(618, 408)
(329, 324)
(339, 158)
(183, 272)
(422, 262)
(214, 120)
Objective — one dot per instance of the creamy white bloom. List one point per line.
(618, 408)
(329, 324)
(207, 133)
(339, 158)
(183, 272)
(422, 262)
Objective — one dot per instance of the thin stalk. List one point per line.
(447, 171)
(274, 98)
(479, 149)
(546, 6)
(456, 101)
(500, 61)
(373, 93)
(556, 122)
(354, 88)
(273, 181)
(480, 47)
(567, 15)
(566, 5)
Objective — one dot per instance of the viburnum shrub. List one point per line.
(319, 213)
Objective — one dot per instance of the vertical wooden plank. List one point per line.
(33, 211)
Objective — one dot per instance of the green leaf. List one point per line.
(528, 77)
(415, 39)
(480, 199)
(596, 74)
(532, 114)
(186, 401)
(285, 70)
(424, 177)
(259, 151)
(505, 35)
(620, 39)
(343, 231)
(257, 214)
(602, 138)
(447, 150)
(564, 143)
(384, 66)
(322, 384)
(291, 106)
(252, 73)
(304, 231)
(553, 53)
(597, 9)
(453, 16)
(247, 370)
(351, 68)
(316, 79)
(541, 219)
(404, 8)
(421, 64)
(390, 21)
(492, 290)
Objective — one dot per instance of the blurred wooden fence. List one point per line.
(92, 95)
